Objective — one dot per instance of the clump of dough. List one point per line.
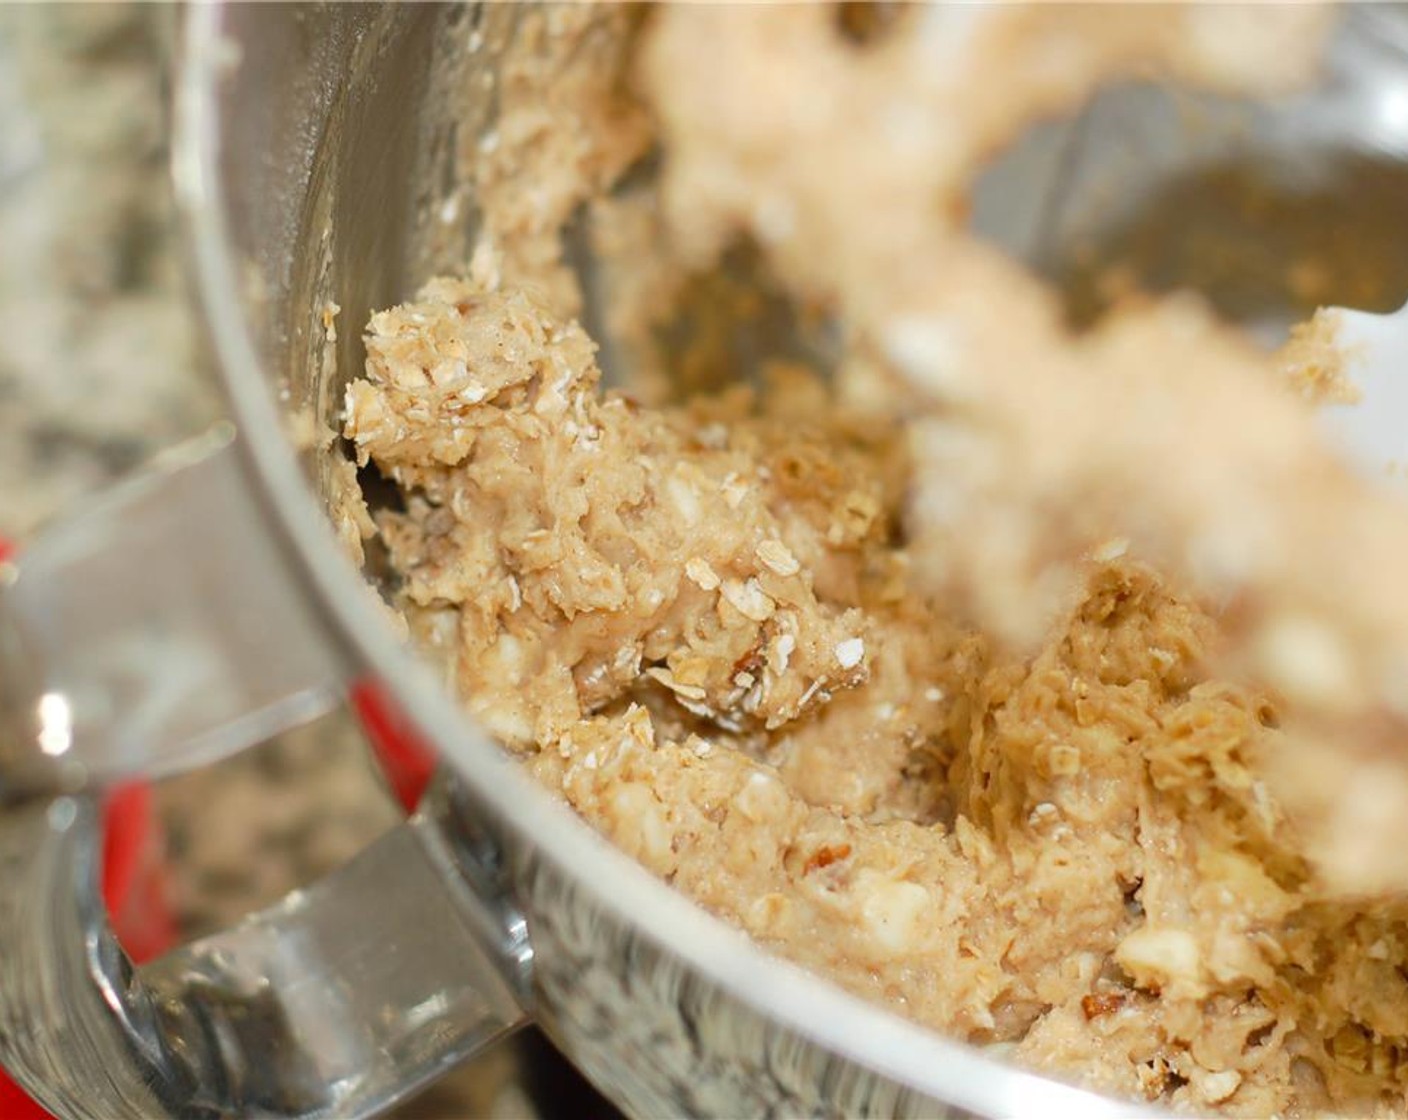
(586, 547)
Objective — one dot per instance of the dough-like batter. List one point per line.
(700, 626)
(706, 627)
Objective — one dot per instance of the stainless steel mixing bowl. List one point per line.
(207, 605)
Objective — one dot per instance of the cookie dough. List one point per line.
(712, 625)
(701, 627)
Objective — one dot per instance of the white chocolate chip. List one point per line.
(1111, 549)
(685, 500)
(762, 797)
(927, 351)
(1305, 659)
(712, 436)
(640, 823)
(1217, 1087)
(850, 653)
(893, 912)
(1043, 813)
(1158, 956)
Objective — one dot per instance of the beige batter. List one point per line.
(711, 628)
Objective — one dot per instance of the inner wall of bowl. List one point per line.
(1269, 210)
(379, 99)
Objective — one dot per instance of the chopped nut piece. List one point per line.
(825, 856)
(1101, 1003)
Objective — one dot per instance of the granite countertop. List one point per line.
(101, 367)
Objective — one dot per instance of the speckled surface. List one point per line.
(99, 368)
